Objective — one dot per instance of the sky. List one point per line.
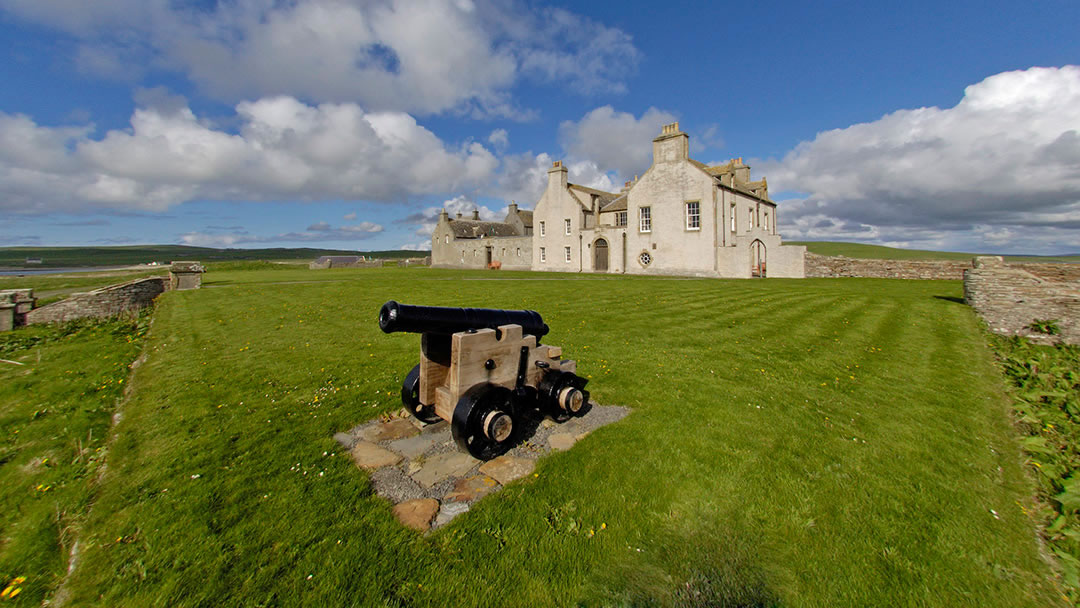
(349, 124)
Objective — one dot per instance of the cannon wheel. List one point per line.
(410, 396)
(483, 424)
(552, 386)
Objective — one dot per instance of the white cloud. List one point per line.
(421, 246)
(999, 168)
(317, 232)
(348, 217)
(499, 139)
(283, 149)
(524, 176)
(614, 141)
(417, 56)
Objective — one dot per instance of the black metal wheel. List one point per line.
(562, 395)
(483, 423)
(410, 397)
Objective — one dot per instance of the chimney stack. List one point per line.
(557, 176)
(476, 214)
(459, 215)
(672, 145)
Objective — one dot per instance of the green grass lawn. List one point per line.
(49, 288)
(792, 442)
(859, 250)
(54, 418)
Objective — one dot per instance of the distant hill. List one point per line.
(76, 257)
(879, 252)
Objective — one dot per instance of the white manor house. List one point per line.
(681, 217)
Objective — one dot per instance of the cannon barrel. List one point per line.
(394, 317)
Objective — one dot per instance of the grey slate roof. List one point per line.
(618, 204)
(474, 229)
(526, 217)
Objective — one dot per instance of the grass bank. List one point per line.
(1046, 392)
(55, 410)
(802, 442)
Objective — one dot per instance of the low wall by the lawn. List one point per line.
(831, 267)
(1010, 297)
(100, 303)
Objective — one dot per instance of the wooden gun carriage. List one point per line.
(484, 371)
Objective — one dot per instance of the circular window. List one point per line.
(645, 258)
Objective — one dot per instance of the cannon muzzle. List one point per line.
(394, 317)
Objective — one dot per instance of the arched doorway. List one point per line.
(600, 255)
(757, 260)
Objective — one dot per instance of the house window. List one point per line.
(733, 217)
(543, 251)
(566, 250)
(693, 215)
(519, 252)
(620, 218)
(645, 218)
(645, 258)
(543, 228)
(750, 220)
(447, 241)
(766, 221)
(566, 222)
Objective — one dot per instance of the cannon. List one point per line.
(485, 372)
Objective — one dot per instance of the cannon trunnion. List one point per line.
(483, 371)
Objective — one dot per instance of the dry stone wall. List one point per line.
(104, 302)
(1009, 298)
(828, 267)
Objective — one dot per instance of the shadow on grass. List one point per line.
(687, 568)
(951, 299)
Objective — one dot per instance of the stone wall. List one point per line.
(824, 266)
(1055, 273)
(828, 267)
(104, 302)
(1009, 298)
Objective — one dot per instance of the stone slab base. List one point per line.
(413, 464)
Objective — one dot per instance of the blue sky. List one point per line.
(348, 124)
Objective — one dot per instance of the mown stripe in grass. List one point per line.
(830, 520)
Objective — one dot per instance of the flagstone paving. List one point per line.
(420, 469)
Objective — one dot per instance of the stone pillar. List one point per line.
(7, 310)
(186, 275)
(24, 303)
